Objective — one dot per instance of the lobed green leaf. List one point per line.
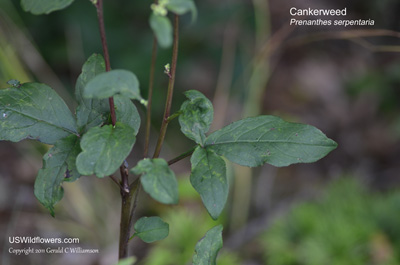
(90, 112)
(181, 7)
(114, 82)
(150, 229)
(158, 180)
(207, 248)
(34, 111)
(58, 166)
(38, 7)
(196, 116)
(162, 29)
(268, 139)
(104, 149)
(208, 178)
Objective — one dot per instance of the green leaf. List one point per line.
(196, 116)
(34, 111)
(150, 229)
(114, 82)
(207, 248)
(104, 149)
(90, 112)
(181, 7)
(38, 7)
(93, 112)
(268, 139)
(208, 178)
(58, 166)
(126, 112)
(162, 29)
(158, 180)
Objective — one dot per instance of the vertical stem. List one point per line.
(150, 98)
(125, 227)
(100, 17)
(112, 111)
(127, 211)
(135, 186)
(170, 88)
(126, 195)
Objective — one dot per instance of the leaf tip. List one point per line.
(51, 210)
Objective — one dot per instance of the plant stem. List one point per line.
(113, 178)
(124, 179)
(182, 156)
(170, 92)
(136, 188)
(127, 217)
(150, 97)
(125, 228)
(100, 17)
(126, 195)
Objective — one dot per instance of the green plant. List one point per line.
(177, 248)
(347, 225)
(101, 134)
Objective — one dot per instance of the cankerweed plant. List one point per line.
(98, 138)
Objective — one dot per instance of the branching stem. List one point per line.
(113, 178)
(126, 195)
(170, 88)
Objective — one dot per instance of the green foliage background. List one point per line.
(347, 225)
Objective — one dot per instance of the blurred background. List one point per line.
(244, 56)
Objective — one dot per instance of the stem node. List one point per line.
(170, 92)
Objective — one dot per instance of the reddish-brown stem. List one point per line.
(126, 202)
(100, 17)
(126, 195)
(124, 183)
(125, 228)
(112, 111)
(170, 91)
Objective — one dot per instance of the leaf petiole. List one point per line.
(135, 234)
(182, 156)
(173, 116)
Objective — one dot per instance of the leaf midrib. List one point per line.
(41, 120)
(267, 141)
(209, 171)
